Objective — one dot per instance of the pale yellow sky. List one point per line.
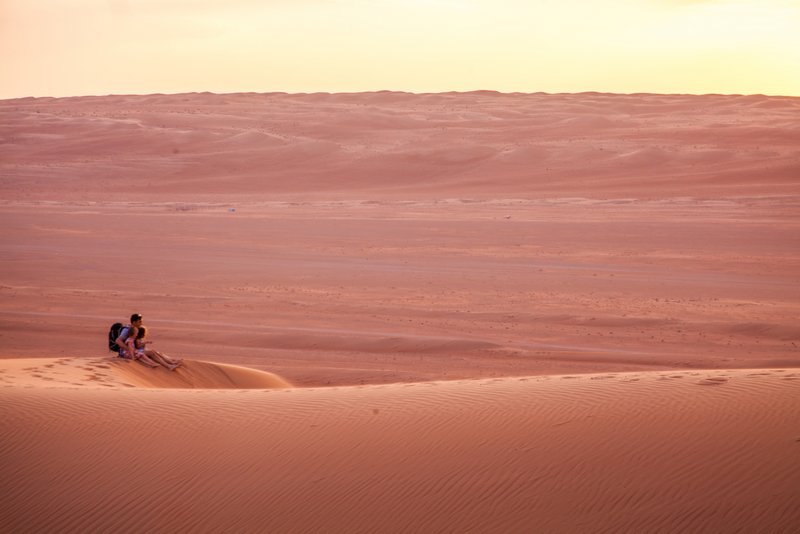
(80, 47)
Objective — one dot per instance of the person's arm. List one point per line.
(123, 335)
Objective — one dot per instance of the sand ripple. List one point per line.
(654, 452)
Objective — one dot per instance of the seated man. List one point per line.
(125, 342)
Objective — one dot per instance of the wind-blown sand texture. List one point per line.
(684, 451)
(450, 312)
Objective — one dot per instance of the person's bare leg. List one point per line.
(158, 357)
(177, 362)
(146, 361)
(172, 361)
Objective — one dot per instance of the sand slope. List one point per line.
(341, 239)
(398, 145)
(114, 372)
(648, 452)
(448, 252)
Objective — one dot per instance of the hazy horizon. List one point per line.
(103, 47)
(299, 93)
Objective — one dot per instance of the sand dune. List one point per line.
(116, 372)
(532, 313)
(646, 452)
(399, 145)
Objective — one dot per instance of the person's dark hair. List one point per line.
(141, 333)
(136, 317)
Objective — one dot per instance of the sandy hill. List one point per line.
(120, 373)
(646, 452)
(459, 312)
(398, 145)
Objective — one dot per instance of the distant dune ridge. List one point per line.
(455, 312)
(399, 145)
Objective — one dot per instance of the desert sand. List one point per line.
(402, 312)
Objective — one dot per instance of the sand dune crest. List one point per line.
(200, 375)
(118, 373)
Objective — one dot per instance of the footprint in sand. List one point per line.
(96, 378)
(712, 381)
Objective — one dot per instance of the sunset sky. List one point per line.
(81, 47)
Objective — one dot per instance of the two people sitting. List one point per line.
(133, 346)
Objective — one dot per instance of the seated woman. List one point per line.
(140, 346)
(128, 350)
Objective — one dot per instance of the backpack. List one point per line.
(113, 334)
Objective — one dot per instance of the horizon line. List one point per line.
(393, 91)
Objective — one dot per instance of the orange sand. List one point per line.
(685, 451)
(533, 312)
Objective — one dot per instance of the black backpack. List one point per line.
(113, 334)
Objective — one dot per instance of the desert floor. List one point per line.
(449, 312)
